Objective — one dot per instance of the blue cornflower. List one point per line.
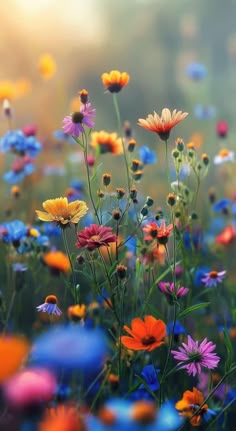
(179, 328)
(168, 418)
(16, 142)
(21, 167)
(222, 205)
(147, 156)
(202, 112)
(196, 71)
(199, 274)
(13, 231)
(51, 229)
(77, 184)
(149, 374)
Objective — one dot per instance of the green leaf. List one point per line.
(155, 312)
(193, 308)
(229, 351)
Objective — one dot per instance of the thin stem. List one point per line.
(76, 296)
(167, 163)
(9, 312)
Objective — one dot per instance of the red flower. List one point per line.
(226, 236)
(161, 232)
(95, 236)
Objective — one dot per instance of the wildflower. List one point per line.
(47, 66)
(13, 232)
(212, 278)
(7, 110)
(50, 306)
(121, 271)
(15, 191)
(147, 156)
(7, 90)
(144, 412)
(227, 236)
(83, 95)
(224, 156)
(76, 312)
(163, 124)
(161, 232)
(62, 418)
(193, 356)
(145, 334)
(57, 261)
(30, 386)
(114, 81)
(106, 142)
(171, 292)
(13, 351)
(177, 329)
(95, 236)
(222, 128)
(196, 71)
(190, 403)
(19, 267)
(29, 130)
(131, 145)
(202, 112)
(20, 168)
(222, 205)
(149, 374)
(62, 212)
(74, 123)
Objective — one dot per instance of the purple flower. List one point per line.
(74, 123)
(212, 278)
(171, 292)
(50, 306)
(193, 356)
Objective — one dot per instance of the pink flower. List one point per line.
(30, 386)
(194, 356)
(212, 278)
(171, 292)
(95, 236)
(74, 123)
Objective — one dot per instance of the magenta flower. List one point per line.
(212, 278)
(74, 123)
(193, 356)
(171, 292)
(95, 236)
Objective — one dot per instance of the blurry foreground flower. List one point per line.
(190, 403)
(13, 351)
(196, 71)
(47, 66)
(144, 334)
(95, 236)
(74, 123)
(30, 386)
(212, 278)
(222, 128)
(57, 261)
(50, 306)
(20, 168)
(62, 212)
(114, 81)
(227, 236)
(106, 142)
(163, 124)
(193, 356)
(62, 418)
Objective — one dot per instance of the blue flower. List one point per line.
(19, 267)
(61, 136)
(222, 205)
(196, 71)
(179, 329)
(149, 374)
(13, 231)
(147, 156)
(51, 229)
(77, 185)
(202, 112)
(168, 418)
(17, 142)
(21, 168)
(199, 274)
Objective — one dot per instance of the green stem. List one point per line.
(167, 164)
(9, 311)
(74, 287)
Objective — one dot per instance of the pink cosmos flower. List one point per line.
(171, 292)
(193, 356)
(95, 236)
(212, 278)
(74, 123)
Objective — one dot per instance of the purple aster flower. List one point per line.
(171, 292)
(74, 123)
(50, 306)
(193, 356)
(212, 278)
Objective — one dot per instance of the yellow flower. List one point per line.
(62, 212)
(47, 66)
(7, 90)
(115, 80)
(163, 124)
(106, 142)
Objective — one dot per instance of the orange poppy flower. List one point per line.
(13, 350)
(47, 66)
(115, 80)
(106, 142)
(62, 418)
(163, 124)
(190, 403)
(145, 335)
(62, 212)
(57, 261)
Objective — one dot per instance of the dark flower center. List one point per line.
(51, 299)
(213, 274)
(148, 339)
(153, 233)
(77, 117)
(194, 357)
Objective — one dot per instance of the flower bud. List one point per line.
(120, 192)
(131, 145)
(116, 214)
(144, 211)
(121, 271)
(171, 199)
(83, 95)
(106, 178)
(149, 201)
(179, 144)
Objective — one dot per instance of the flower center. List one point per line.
(77, 117)
(213, 274)
(153, 233)
(51, 299)
(224, 152)
(148, 339)
(194, 357)
(95, 237)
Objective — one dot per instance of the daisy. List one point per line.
(212, 278)
(163, 124)
(95, 236)
(144, 334)
(62, 212)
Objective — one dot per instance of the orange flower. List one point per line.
(62, 212)
(190, 403)
(114, 81)
(62, 418)
(57, 261)
(162, 125)
(47, 66)
(106, 142)
(76, 312)
(145, 335)
(226, 236)
(7, 90)
(13, 350)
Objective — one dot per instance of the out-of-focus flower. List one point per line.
(13, 231)
(222, 129)
(19, 267)
(147, 156)
(193, 356)
(69, 348)
(62, 418)
(161, 232)
(29, 130)
(74, 123)
(202, 112)
(57, 261)
(190, 403)
(212, 278)
(13, 351)
(115, 80)
(196, 71)
(15, 191)
(62, 212)
(20, 168)
(7, 90)
(47, 66)
(94, 236)
(145, 334)
(76, 312)
(29, 387)
(171, 292)
(224, 156)
(222, 205)
(106, 142)
(227, 236)
(163, 124)
(50, 306)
